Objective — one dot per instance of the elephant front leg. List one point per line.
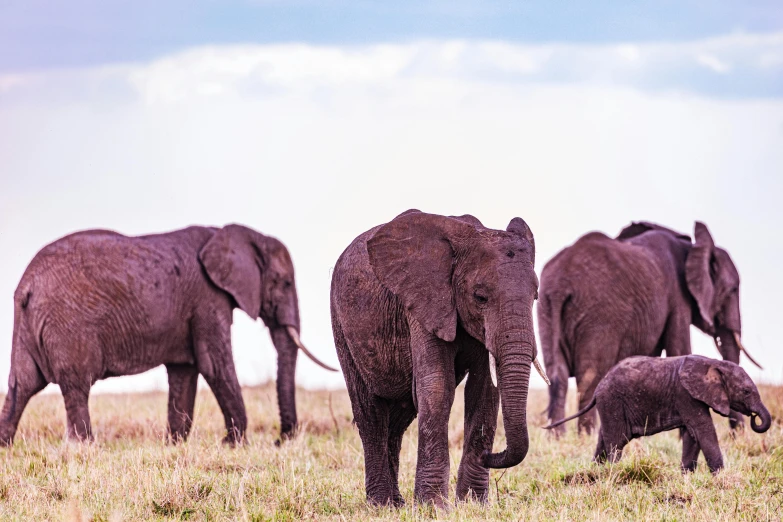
(481, 413)
(287, 353)
(433, 369)
(183, 381)
(215, 362)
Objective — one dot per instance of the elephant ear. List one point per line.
(698, 275)
(519, 227)
(703, 381)
(412, 256)
(233, 262)
(638, 228)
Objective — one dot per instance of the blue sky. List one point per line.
(40, 34)
(315, 121)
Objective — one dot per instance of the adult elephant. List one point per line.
(605, 299)
(417, 304)
(98, 304)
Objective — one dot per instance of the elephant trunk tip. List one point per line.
(505, 459)
(766, 422)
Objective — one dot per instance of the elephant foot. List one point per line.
(438, 502)
(175, 437)
(287, 434)
(478, 495)
(81, 438)
(6, 436)
(434, 498)
(234, 439)
(386, 501)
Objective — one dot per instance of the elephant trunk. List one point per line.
(730, 346)
(287, 351)
(760, 411)
(513, 376)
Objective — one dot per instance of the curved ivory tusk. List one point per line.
(493, 369)
(541, 371)
(742, 348)
(295, 337)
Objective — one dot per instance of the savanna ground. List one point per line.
(129, 473)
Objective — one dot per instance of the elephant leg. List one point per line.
(586, 383)
(690, 451)
(600, 449)
(371, 415)
(707, 440)
(400, 417)
(76, 396)
(25, 381)
(736, 420)
(373, 423)
(214, 360)
(433, 369)
(183, 381)
(481, 413)
(557, 396)
(287, 353)
(613, 446)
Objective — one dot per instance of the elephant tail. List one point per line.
(572, 417)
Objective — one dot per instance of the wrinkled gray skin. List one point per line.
(605, 299)
(417, 304)
(97, 304)
(647, 395)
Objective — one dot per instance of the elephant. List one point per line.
(98, 304)
(643, 396)
(605, 299)
(417, 304)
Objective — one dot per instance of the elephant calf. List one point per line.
(97, 304)
(643, 396)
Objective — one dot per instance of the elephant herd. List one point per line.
(417, 304)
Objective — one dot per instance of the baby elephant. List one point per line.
(647, 395)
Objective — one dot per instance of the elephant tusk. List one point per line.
(493, 370)
(541, 372)
(742, 348)
(295, 337)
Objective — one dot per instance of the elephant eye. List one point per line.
(286, 284)
(480, 298)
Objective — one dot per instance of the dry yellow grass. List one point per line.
(130, 474)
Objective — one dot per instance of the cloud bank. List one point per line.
(315, 144)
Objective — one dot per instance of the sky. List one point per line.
(315, 121)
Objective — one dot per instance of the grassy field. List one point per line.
(130, 474)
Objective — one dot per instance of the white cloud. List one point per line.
(317, 144)
(714, 64)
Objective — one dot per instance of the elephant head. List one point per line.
(713, 281)
(724, 386)
(452, 271)
(257, 272)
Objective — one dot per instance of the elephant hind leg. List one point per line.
(76, 395)
(401, 415)
(183, 381)
(372, 417)
(25, 381)
(690, 450)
